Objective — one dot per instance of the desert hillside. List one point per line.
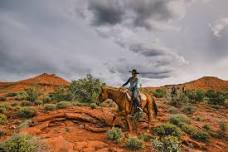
(44, 82)
(74, 119)
(204, 83)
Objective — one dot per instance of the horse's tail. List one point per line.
(155, 107)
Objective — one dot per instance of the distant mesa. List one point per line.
(44, 82)
(205, 83)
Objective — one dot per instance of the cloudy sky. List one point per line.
(170, 41)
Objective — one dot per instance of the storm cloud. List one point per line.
(168, 41)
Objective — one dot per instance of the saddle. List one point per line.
(141, 96)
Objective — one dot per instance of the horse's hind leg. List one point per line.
(149, 109)
(129, 123)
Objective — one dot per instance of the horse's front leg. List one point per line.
(129, 123)
(113, 121)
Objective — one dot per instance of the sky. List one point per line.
(167, 41)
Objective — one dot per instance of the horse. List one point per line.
(121, 98)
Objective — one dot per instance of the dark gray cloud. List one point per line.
(141, 13)
(110, 37)
(106, 12)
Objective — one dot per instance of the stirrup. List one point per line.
(140, 109)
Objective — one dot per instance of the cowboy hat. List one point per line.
(134, 71)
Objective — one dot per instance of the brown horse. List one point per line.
(121, 98)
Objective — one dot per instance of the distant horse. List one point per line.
(121, 98)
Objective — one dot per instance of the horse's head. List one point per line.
(103, 94)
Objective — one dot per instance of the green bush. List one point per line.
(159, 93)
(144, 137)
(178, 119)
(61, 94)
(3, 110)
(173, 110)
(86, 89)
(93, 105)
(38, 102)
(24, 124)
(11, 94)
(178, 100)
(167, 144)
(222, 130)
(215, 98)
(21, 96)
(31, 94)
(3, 118)
(50, 107)
(26, 112)
(195, 96)
(46, 100)
(188, 109)
(26, 103)
(206, 127)
(115, 134)
(3, 98)
(200, 136)
(167, 129)
(4, 107)
(189, 129)
(133, 143)
(63, 104)
(20, 143)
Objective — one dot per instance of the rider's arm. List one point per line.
(126, 83)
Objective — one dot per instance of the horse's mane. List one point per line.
(114, 89)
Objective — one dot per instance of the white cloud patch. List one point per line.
(218, 26)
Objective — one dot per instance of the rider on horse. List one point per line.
(134, 88)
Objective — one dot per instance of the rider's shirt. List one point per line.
(134, 83)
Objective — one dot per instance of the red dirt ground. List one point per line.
(82, 129)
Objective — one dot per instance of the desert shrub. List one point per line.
(167, 144)
(3, 98)
(21, 96)
(61, 94)
(200, 136)
(38, 102)
(178, 100)
(178, 119)
(63, 104)
(50, 107)
(11, 94)
(195, 96)
(115, 134)
(20, 143)
(26, 103)
(4, 107)
(3, 118)
(206, 127)
(144, 137)
(215, 98)
(86, 89)
(159, 93)
(188, 109)
(173, 110)
(46, 99)
(167, 129)
(222, 130)
(134, 143)
(2, 133)
(189, 129)
(3, 110)
(24, 124)
(93, 105)
(31, 94)
(26, 112)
